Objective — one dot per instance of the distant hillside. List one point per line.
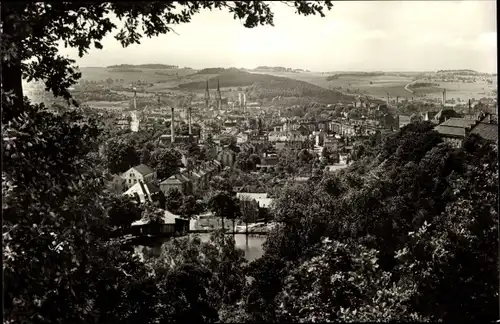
(268, 86)
(144, 66)
(211, 71)
(278, 69)
(462, 72)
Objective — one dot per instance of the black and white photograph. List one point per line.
(249, 162)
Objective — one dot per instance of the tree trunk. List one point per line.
(234, 227)
(222, 218)
(11, 67)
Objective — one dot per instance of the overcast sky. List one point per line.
(371, 35)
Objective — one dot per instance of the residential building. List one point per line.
(241, 138)
(177, 182)
(331, 141)
(403, 120)
(138, 173)
(226, 157)
(455, 130)
(166, 139)
(172, 225)
(486, 131)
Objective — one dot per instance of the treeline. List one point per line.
(99, 95)
(422, 85)
(464, 71)
(145, 66)
(211, 71)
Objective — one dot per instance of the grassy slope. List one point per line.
(267, 86)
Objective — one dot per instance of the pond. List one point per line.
(251, 245)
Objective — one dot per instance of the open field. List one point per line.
(133, 74)
(168, 80)
(376, 86)
(394, 84)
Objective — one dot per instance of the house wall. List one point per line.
(226, 158)
(166, 187)
(131, 177)
(455, 142)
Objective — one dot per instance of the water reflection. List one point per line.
(251, 245)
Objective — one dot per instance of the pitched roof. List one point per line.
(142, 189)
(168, 218)
(404, 118)
(175, 179)
(458, 122)
(486, 131)
(265, 202)
(250, 195)
(143, 169)
(450, 131)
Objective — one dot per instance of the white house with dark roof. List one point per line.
(138, 173)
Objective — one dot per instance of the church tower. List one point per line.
(207, 96)
(218, 97)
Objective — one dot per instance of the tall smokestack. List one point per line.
(172, 129)
(189, 121)
(469, 106)
(135, 99)
(207, 95)
(219, 96)
(244, 101)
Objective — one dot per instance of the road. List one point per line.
(406, 87)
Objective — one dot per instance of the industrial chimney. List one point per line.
(135, 99)
(469, 106)
(172, 129)
(189, 121)
(444, 97)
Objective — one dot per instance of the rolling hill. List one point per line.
(268, 86)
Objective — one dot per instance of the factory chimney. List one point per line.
(189, 121)
(135, 99)
(444, 97)
(469, 106)
(172, 128)
(218, 95)
(207, 96)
